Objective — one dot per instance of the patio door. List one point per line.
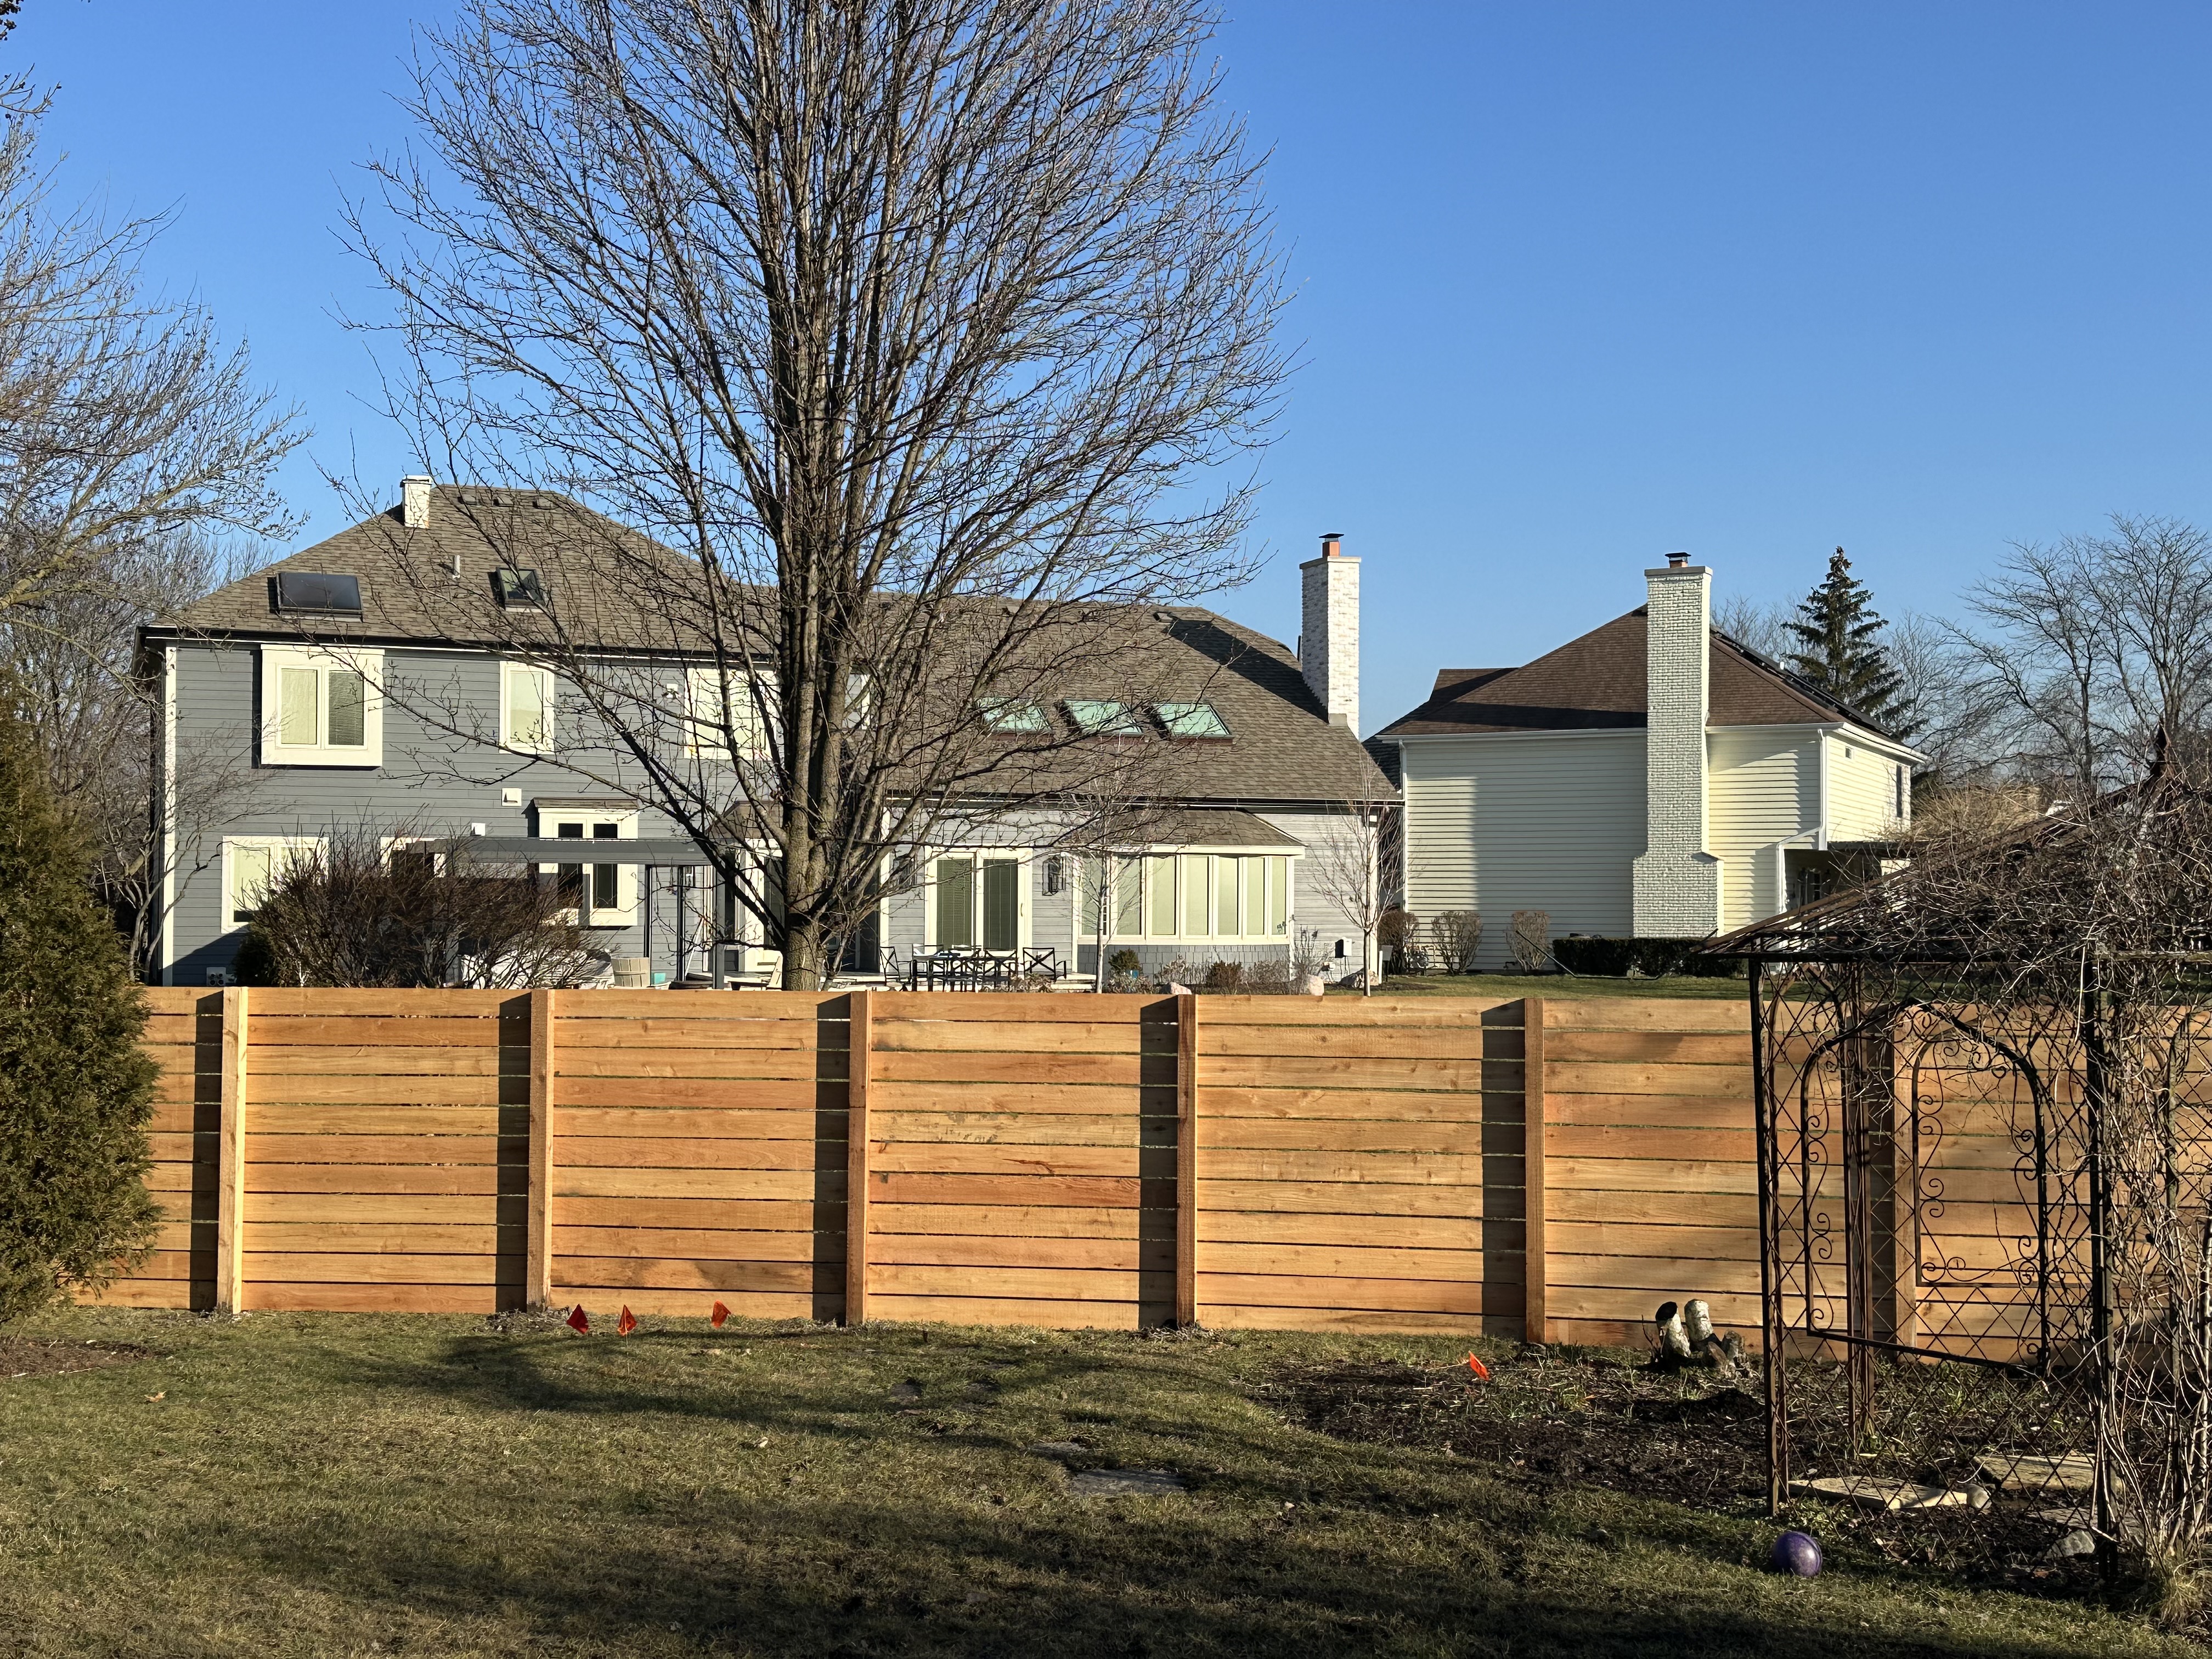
(977, 901)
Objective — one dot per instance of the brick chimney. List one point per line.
(414, 501)
(1677, 882)
(1329, 641)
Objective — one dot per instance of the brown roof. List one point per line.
(1596, 683)
(1281, 746)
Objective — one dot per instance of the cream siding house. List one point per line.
(1567, 786)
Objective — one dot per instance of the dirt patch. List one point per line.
(1563, 1418)
(27, 1356)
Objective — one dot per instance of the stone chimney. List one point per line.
(1329, 641)
(1677, 881)
(414, 501)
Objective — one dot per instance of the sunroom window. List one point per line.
(977, 900)
(1191, 897)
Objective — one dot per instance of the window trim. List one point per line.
(621, 914)
(1020, 857)
(369, 663)
(227, 897)
(509, 670)
(702, 733)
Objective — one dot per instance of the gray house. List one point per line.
(282, 719)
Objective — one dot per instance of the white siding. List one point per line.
(1765, 784)
(1862, 790)
(1496, 825)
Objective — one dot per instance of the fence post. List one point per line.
(230, 1159)
(1536, 1264)
(859, 1046)
(538, 1247)
(1186, 1293)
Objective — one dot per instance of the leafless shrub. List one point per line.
(1458, 938)
(1531, 945)
(347, 913)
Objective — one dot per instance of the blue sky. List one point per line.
(1577, 285)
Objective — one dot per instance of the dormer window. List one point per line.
(314, 592)
(1191, 720)
(1098, 718)
(518, 590)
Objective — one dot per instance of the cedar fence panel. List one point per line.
(1064, 1160)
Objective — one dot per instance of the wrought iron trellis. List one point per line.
(1930, 1215)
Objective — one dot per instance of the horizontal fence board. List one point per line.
(384, 1209)
(699, 1274)
(1645, 1077)
(894, 1067)
(1675, 1279)
(1377, 1262)
(391, 1151)
(1040, 1284)
(953, 1158)
(1295, 1071)
(893, 1035)
(1013, 1128)
(1010, 1221)
(694, 1123)
(1373, 1135)
(270, 1030)
(1074, 1099)
(1382, 1169)
(707, 1214)
(1043, 1314)
(578, 1152)
(297, 1119)
(1000, 1251)
(571, 1182)
(1639, 1142)
(1649, 1174)
(1462, 1043)
(1654, 1111)
(1359, 1105)
(1374, 1295)
(375, 1267)
(1288, 1230)
(312, 1297)
(1110, 1192)
(421, 1179)
(1728, 1015)
(728, 1094)
(1352, 1197)
(657, 1066)
(1679, 1048)
(421, 1238)
(1336, 1013)
(694, 1243)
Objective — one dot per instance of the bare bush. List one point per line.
(1458, 938)
(1531, 941)
(346, 913)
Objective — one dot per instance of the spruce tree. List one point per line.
(1839, 649)
(76, 1089)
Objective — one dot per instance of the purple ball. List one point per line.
(1796, 1554)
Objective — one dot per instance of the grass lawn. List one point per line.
(329, 1484)
(1552, 985)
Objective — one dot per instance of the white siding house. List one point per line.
(1542, 789)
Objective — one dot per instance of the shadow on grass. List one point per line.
(841, 1579)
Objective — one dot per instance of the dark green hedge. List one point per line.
(1614, 958)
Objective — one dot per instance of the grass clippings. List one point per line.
(341, 1486)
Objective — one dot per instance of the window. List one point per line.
(725, 707)
(594, 895)
(1096, 719)
(321, 708)
(1012, 715)
(1192, 898)
(317, 593)
(518, 590)
(251, 863)
(1191, 720)
(976, 899)
(1904, 795)
(525, 718)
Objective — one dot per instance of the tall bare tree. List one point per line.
(880, 313)
(2096, 652)
(133, 445)
(1345, 867)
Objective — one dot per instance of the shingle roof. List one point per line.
(1597, 683)
(1281, 746)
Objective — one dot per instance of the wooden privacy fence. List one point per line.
(1063, 1160)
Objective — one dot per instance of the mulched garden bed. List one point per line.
(27, 1356)
(1561, 1418)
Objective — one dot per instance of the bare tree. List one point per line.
(2095, 653)
(129, 441)
(1345, 866)
(912, 327)
(1761, 625)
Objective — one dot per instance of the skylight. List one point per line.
(518, 590)
(1096, 718)
(1012, 714)
(318, 591)
(1191, 720)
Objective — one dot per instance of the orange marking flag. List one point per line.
(626, 1323)
(1481, 1371)
(579, 1321)
(719, 1317)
